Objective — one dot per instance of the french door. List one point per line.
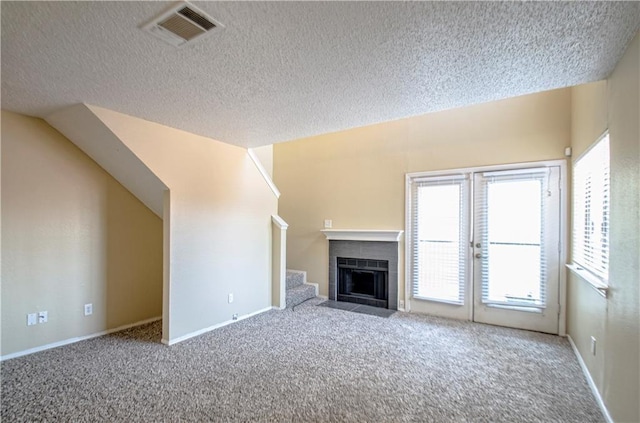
(485, 246)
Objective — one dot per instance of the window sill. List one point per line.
(515, 308)
(438, 300)
(593, 281)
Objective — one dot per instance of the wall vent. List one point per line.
(182, 23)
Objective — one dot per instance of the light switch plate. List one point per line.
(328, 223)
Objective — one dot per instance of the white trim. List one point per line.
(490, 168)
(564, 242)
(263, 172)
(217, 326)
(590, 382)
(278, 262)
(407, 244)
(362, 235)
(279, 222)
(523, 309)
(439, 300)
(77, 339)
(591, 279)
(591, 270)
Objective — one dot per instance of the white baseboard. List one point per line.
(210, 328)
(592, 385)
(77, 339)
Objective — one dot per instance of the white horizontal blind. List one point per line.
(591, 210)
(510, 219)
(440, 233)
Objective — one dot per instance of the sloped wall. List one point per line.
(71, 235)
(220, 223)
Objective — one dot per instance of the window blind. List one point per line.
(591, 210)
(510, 219)
(440, 235)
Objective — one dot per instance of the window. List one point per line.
(513, 215)
(591, 210)
(440, 237)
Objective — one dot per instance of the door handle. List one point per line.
(478, 255)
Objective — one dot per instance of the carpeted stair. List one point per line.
(298, 290)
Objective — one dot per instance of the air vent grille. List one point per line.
(197, 18)
(182, 27)
(181, 24)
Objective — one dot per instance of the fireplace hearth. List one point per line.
(363, 281)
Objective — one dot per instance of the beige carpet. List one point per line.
(311, 364)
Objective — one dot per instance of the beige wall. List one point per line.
(220, 222)
(614, 321)
(588, 115)
(622, 367)
(71, 235)
(586, 308)
(357, 177)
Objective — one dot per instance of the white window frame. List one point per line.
(541, 175)
(595, 278)
(562, 295)
(465, 226)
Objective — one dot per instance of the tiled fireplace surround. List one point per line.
(370, 249)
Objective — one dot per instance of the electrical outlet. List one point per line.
(593, 345)
(230, 298)
(32, 319)
(235, 317)
(401, 303)
(88, 309)
(328, 223)
(43, 317)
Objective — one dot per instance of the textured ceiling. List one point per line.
(284, 70)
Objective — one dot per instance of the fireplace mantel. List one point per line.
(362, 235)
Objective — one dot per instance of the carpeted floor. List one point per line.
(314, 364)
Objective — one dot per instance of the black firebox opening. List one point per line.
(363, 281)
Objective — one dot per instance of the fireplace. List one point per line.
(363, 281)
(369, 261)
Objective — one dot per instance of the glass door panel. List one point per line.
(440, 246)
(505, 269)
(517, 233)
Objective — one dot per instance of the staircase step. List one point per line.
(295, 279)
(299, 294)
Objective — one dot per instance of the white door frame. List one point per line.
(562, 277)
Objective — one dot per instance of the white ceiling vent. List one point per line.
(181, 24)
